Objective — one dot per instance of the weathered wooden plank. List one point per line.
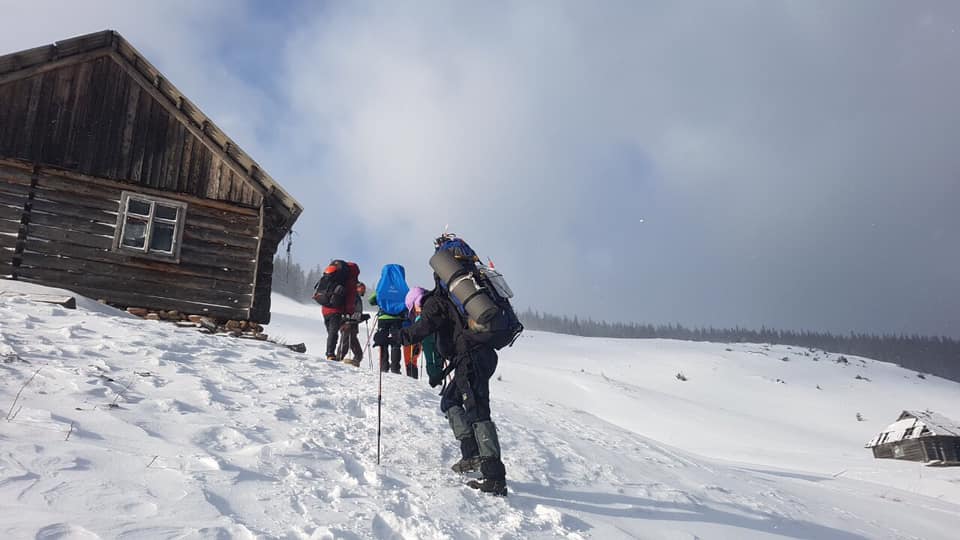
(80, 212)
(216, 173)
(69, 80)
(55, 234)
(76, 199)
(6, 258)
(194, 268)
(203, 171)
(79, 111)
(8, 239)
(14, 131)
(24, 147)
(15, 200)
(111, 128)
(155, 144)
(9, 226)
(138, 153)
(44, 114)
(120, 280)
(98, 263)
(219, 259)
(11, 175)
(10, 213)
(179, 142)
(96, 101)
(129, 125)
(72, 223)
(131, 299)
(162, 127)
(168, 180)
(183, 174)
(228, 255)
(195, 234)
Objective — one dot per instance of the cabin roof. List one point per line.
(26, 62)
(935, 424)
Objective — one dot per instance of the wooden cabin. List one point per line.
(919, 436)
(114, 185)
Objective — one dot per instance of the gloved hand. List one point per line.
(365, 317)
(436, 379)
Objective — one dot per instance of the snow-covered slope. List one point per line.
(137, 429)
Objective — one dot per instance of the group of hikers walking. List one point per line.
(457, 326)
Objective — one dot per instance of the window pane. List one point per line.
(162, 238)
(136, 206)
(134, 233)
(166, 212)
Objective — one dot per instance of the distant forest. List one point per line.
(290, 279)
(934, 355)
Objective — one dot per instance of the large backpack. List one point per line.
(331, 290)
(392, 290)
(500, 326)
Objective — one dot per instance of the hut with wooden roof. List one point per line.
(919, 436)
(114, 185)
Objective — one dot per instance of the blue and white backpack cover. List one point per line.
(392, 290)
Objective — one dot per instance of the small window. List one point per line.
(150, 226)
(908, 432)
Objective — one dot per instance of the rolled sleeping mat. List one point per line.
(463, 286)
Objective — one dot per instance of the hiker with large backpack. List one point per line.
(468, 314)
(390, 296)
(336, 293)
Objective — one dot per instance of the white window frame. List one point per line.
(150, 219)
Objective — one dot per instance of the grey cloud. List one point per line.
(792, 162)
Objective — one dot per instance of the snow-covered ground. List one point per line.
(117, 427)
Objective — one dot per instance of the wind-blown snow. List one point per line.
(139, 429)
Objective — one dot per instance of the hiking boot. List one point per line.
(332, 357)
(467, 464)
(489, 485)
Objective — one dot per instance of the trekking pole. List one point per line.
(370, 334)
(379, 401)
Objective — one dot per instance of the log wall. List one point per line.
(923, 449)
(14, 192)
(69, 238)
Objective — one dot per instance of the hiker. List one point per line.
(350, 330)
(412, 352)
(389, 296)
(336, 293)
(472, 358)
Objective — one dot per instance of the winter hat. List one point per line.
(414, 297)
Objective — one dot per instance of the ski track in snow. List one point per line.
(139, 429)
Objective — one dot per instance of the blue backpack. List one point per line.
(392, 290)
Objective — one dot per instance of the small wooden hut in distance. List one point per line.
(919, 436)
(114, 185)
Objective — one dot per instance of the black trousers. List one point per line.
(332, 322)
(388, 339)
(471, 385)
(350, 340)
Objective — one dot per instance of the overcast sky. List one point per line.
(793, 164)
